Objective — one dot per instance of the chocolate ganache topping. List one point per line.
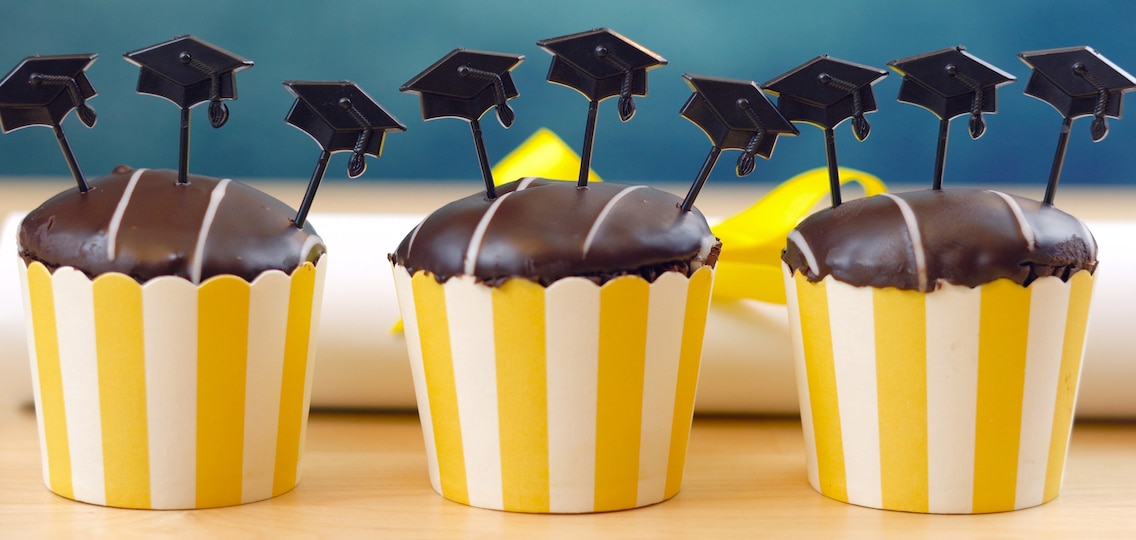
(544, 230)
(918, 239)
(144, 224)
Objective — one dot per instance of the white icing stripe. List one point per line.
(413, 235)
(603, 216)
(206, 224)
(116, 218)
(916, 238)
(310, 243)
(803, 246)
(1023, 224)
(469, 263)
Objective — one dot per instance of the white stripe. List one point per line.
(602, 216)
(469, 262)
(1049, 309)
(469, 311)
(169, 344)
(666, 313)
(309, 243)
(525, 183)
(801, 376)
(850, 310)
(952, 396)
(572, 336)
(807, 252)
(414, 235)
(267, 334)
(116, 218)
(405, 292)
(1023, 225)
(37, 395)
(916, 238)
(206, 223)
(78, 363)
(317, 304)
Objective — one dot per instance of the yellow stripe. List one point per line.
(1071, 355)
(222, 349)
(1002, 338)
(295, 371)
(122, 390)
(522, 394)
(816, 334)
(619, 401)
(690, 356)
(441, 389)
(52, 412)
(901, 386)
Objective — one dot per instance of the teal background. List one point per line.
(381, 45)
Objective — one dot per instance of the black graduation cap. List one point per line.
(950, 82)
(1077, 81)
(466, 84)
(41, 91)
(735, 114)
(826, 91)
(188, 71)
(341, 117)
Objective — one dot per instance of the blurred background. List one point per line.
(381, 45)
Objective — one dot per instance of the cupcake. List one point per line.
(939, 334)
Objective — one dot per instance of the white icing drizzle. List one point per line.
(916, 238)
(469, 262)
(602, 216)
(414, 234)
(206, 224)
(1023, 225)
(311, 242)
(803, 246)
(116, 218)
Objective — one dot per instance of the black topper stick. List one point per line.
(466, 84)
(734, 114)
(340, 117)
(188, 71)
(950, 82)
(824, 92)
(41, 91)
(1077, 81)
(600, 64)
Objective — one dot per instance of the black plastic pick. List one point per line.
(41, 91)
(600, 64)
(340, 117)
(949, 83)
(466, 84)
(734, 114)
(824, 92)
(1077, 81)
(189, 71)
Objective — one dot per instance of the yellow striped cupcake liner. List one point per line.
(571, 398)
(956, 401)
(170, 395)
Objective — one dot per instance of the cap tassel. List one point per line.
(86, 113)
(860, 126)
(1099, 127)
(747, 162)
(626, 101)
(218, 111)
(358, 162)
(505, 114)
(977, 123)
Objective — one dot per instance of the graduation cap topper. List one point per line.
(734, 114)
(1077, 81)
(950, 82)
(189, 71)
(42, 91)
(826, 91)
(466, 84)
(340, 117)
(600, 63)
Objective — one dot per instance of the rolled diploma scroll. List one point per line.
(747, 365)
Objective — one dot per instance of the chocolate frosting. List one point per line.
(544, 230)
(157, 227)
(964, 237)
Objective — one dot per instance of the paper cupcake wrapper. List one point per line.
(955, 401)
(570, 398)
(171, 395)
